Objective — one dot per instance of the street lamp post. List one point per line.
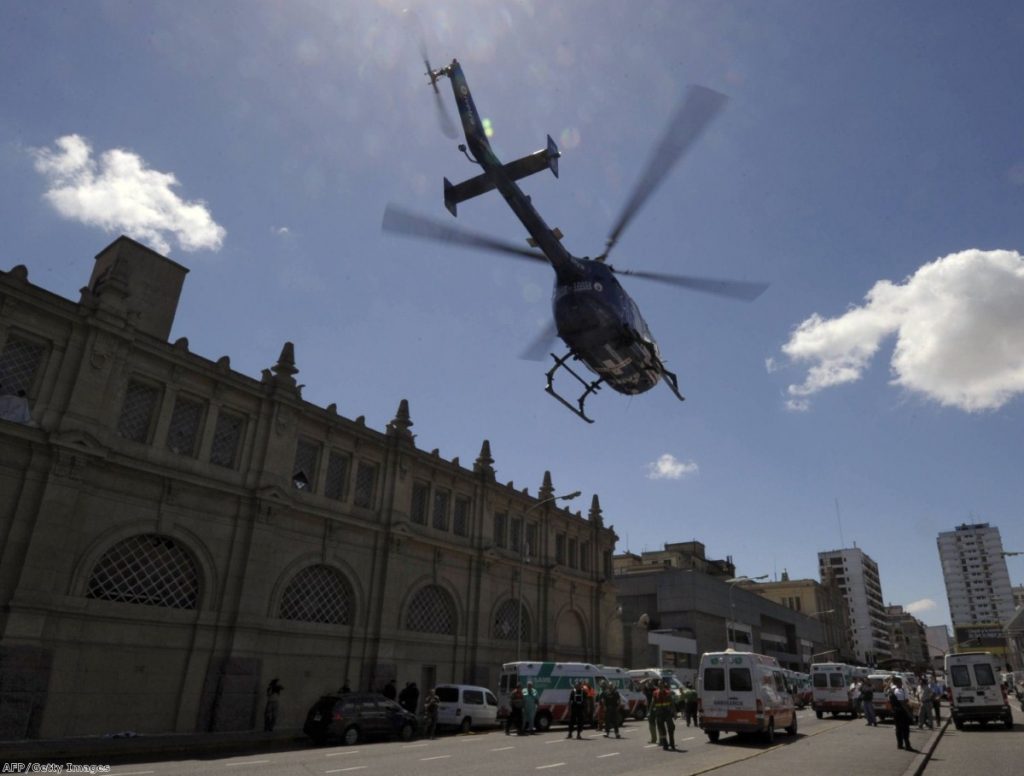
(731, 583)
(524, 552)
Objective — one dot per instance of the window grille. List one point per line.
(307, 454)
(512, 615)
(366, 484)
(560, 549)
(441, 499)
(137, 411)
(431, 611)
(337, 476)
(184, 426)
(18, 364)
(501, 529)
(226, 436)
(148, 569)
(460, 517)
(420, 499)
(318, 594)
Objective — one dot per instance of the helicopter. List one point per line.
(594, 316)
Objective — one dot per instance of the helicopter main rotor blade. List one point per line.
(402, 222)
(696, 111)
(540, 346)
(746, 291)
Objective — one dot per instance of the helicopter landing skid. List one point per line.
(589, 387)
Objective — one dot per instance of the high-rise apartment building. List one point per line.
(855, 574)
(977, 583)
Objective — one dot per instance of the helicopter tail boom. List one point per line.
(545, 159)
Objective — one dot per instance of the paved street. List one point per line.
(837, 747)
(981, 750)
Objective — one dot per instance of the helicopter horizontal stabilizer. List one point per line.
(545, 159)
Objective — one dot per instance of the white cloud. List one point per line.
(916, 607)
(959, 328)
(119, 193)
(280, 231)
(668, 467)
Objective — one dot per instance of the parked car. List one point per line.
(354, 717)
(466, 706)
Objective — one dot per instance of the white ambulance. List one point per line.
(975, 692)
(830, 689)
(553, 681)
(743, 692)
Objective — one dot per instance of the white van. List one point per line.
(466, 706)
(975, 693)
(743, 692)
(830, 689)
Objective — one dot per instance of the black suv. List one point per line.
(355, 716)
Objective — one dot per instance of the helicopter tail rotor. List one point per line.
(444, 118)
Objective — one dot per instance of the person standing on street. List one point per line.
(273, 699)
(610, 702)
(577, 708)
(867, 699)
(430, 707)
(900, 714)
(389, 690)
(690, 704)
(924, 695)
(529, 708)
(515, 716)
(663, 708)
(652, 720)
(937, 693)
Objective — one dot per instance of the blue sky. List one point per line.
(869, 165)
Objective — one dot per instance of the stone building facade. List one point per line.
(174, 534)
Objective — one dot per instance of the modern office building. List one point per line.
(977, 585)
(1018, 596)
(855, 574)
(175, 534)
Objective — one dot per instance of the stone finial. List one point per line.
(484, 464)
(285, 370)
(401, 423)
(547, 490)
(595, 512)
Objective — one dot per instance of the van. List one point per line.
(553, 681)
(743, 692)
(466, 706)
(830, 689)
(975, 694)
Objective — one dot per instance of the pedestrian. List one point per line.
(577, 708)
(867, 700)
(270, 712)
(611, 701)
(855, 699)
(937, 692)
(591, 694)
(412, 698)
(924, 695)
(900, 714)
(515, 715)
(690, 704)
(430, 706)
(652, 722)
(529, 709)
(664, 711)
(389, 691)
(403, 697)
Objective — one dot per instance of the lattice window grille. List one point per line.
(226, 436)
(366, 483)
(337, 476)
(18, 364)
(460, 517)
(511, 616)
(420, 500)
(307, 455)
(184, 426)
(431, 611)
(318, 594)
(137, 411)
(148, 569)
(441, 500)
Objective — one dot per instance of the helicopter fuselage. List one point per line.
(594, 316)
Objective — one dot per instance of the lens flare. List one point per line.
(488, 128)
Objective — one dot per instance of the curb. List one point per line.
(918, 764)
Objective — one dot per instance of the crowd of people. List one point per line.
(928, 696)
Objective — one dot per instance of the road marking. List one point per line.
(503, 748)
(435, 757)
(557, 740)
(651, 746)
(690, 738)
(352, 768)
(414, 746)
(247, 762)
(553, 765)
(613, 754)
(341, 754)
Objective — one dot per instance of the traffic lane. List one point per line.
(990, 749)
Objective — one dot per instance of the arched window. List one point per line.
(318, 594)
(431, 611)
(148, 569)
(510, 618)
